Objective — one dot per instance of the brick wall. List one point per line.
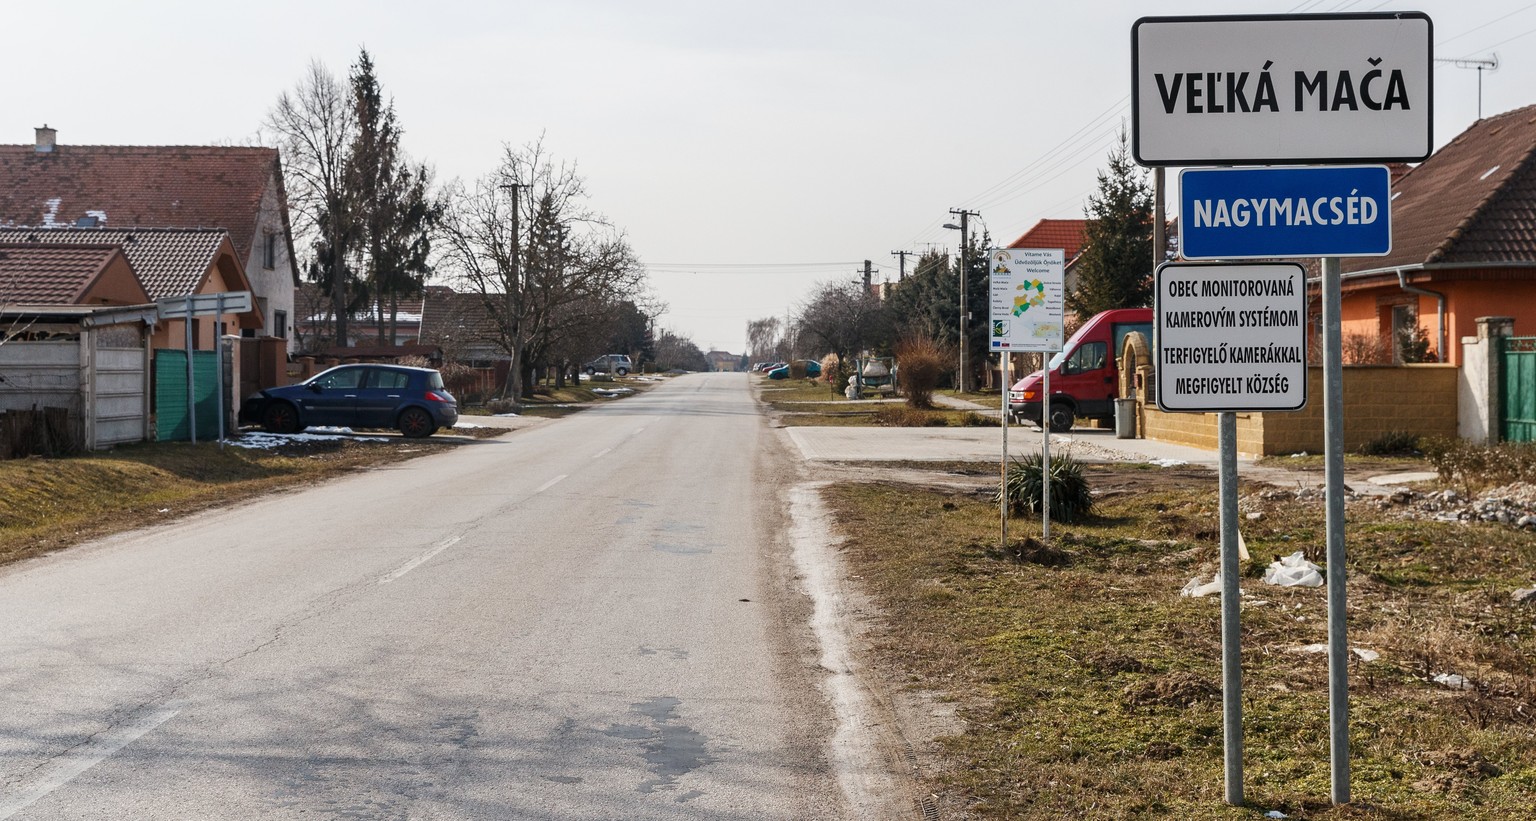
(1418, 399)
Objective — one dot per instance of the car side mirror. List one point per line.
(314, 387)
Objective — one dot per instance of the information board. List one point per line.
(1026, 299)
(1231, 337)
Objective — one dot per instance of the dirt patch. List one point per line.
(1177, 689)
(1455, 770)
(1029, 551)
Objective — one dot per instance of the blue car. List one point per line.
(412, 400)
(812, 370)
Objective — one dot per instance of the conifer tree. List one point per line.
(1115, 267)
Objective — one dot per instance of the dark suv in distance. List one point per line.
(357, 396)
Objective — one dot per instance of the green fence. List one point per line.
(171, 423)
(1517, 389)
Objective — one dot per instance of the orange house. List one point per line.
(170, 262)
(1464, 244)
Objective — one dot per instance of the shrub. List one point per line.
(501, 406)
(1071, 498)
(1392, 443)
(922, 364)
(901, 416)
(973, 419)
(832, 372)
(1473, 467)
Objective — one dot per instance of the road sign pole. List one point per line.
(1045, 452)
(1333, 432)
(1231, 629)
(1003, 496)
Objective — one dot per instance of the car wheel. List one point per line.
(623, 371)
(416, 423)
(280, 417)
(591, 370)
(1061, 417)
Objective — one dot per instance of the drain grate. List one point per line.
(928, 808)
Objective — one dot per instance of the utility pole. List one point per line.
(514, 304)
(902, 255)
(964, 383)
(868, 277)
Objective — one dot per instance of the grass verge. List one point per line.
(1088, 688)
(47, 504)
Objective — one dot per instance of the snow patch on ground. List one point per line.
(267, 441)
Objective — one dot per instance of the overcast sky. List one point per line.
(749, 150)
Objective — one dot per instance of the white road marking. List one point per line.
(71, 764)
(419, 560)
(603, 452)
(551, 483)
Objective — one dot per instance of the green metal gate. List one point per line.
(1517, 388)
(171, 423)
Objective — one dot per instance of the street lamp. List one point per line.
(964, 382)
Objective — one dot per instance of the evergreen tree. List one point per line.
(1115, 267)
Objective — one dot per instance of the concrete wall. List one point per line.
(1417, 399)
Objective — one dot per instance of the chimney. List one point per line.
(46, 137)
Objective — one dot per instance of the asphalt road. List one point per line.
(592, 619)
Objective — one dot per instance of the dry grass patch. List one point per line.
(1089, 686)
(47, 504)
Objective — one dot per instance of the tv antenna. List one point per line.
(1490, 63)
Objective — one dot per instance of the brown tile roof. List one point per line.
(35, 274)
(169, 261)
(172, 186)
(1068, 235)
(1473, 201)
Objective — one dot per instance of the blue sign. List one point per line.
(1265, 213)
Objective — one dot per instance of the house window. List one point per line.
(269, 251)
(280, 323)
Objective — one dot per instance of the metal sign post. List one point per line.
(1231, 338)
(1333, 446)
(1045, 453)
(1004, 462)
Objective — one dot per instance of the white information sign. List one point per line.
(1231, 337)
(1282, 89)
(1027, 299)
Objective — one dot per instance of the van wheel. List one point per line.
(1061, 417)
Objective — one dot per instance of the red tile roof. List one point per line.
(1069, 235)
(172, 186)
(1473, 201)
(169, 261)
(36, 274)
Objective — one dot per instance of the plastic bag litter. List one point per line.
(1453, 681)
(1197, 589)
(1294, 571)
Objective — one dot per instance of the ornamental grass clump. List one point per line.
(1071, 498)
(921, 364)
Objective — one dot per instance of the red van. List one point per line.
(1084, 379)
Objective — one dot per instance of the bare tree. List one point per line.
(480, 242)
(843, 319)
(313, 126)
(762, 338)
(569, 273)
